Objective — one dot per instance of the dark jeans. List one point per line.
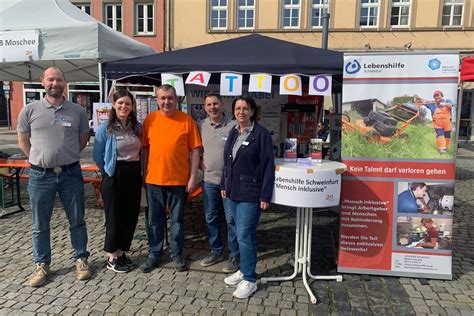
(158, 196)
(121, 194)
(42, 188)
(212, 204)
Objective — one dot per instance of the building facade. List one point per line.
(354, 25)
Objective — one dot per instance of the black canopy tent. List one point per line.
(248, 54)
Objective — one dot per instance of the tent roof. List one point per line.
(247, 54)
(467, 69)
(68, 38)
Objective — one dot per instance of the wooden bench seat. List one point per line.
(95, 181)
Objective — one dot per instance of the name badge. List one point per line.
(120, 137)
(66, 124)
(245, 143)
(224, 138)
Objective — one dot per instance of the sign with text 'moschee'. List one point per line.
(19, 46)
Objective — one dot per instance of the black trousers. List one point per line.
(121, 195)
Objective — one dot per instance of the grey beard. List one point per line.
(55, 93)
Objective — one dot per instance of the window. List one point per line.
(145, 23)
(318, 8)
(369, 13)
(84, 7)
(291, 14)
(32, 91)
(246, 14)
(113, 16)
(218, 14)
(400, 13)
(452, 12)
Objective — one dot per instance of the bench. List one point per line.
(95, 181)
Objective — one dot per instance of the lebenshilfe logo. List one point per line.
(353, 67)
(434, 64)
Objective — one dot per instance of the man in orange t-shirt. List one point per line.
(171, 145)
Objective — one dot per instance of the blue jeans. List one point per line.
(246, 217)
(42, 188)
(158, 196)
(212, 203)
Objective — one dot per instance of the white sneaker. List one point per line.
(234, 278)
(245, 289)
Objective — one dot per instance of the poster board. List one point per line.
(399, 145)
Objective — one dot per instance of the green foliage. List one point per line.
(421, 143)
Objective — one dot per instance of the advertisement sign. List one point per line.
(399, 145)
(100, 114)
(19, 45)
(268, 106)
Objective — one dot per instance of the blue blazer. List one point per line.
(249, 177)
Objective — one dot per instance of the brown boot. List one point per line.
(82, 269)
(39, 277)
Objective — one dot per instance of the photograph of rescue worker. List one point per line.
(247, 181)
(430, 238)
(411, 200)
(117, 150)
(441, 111)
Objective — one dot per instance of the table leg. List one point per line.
(307, 245)
(338, 278)
(297, 247)
(16, 175)
(304, 229)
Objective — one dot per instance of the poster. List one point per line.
(268, 107)
(100, 114)
(399, 145)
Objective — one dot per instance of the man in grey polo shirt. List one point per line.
(214, 131)
(52, 132)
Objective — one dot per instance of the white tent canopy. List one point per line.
(68, 38)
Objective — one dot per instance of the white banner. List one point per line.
(260, 83)
(231, 84)
(176, 81)
(290, 85)
(19, 46)
(200, 78)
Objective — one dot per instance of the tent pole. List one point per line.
(101, 83)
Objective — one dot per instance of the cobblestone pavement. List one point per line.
(202, 290)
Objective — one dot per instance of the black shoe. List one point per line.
(150, 265)
(212, 258)
(179, 263)
(233, 265)
(126, 260)
(117, 265)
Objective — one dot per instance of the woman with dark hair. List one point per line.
(117, 150)
(247, 181)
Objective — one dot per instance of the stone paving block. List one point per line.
(176, 307)
(452, 312)
(285, 304)
(255, 309)
(185, 300)
(288, 312)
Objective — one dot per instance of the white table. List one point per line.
(306, 187)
